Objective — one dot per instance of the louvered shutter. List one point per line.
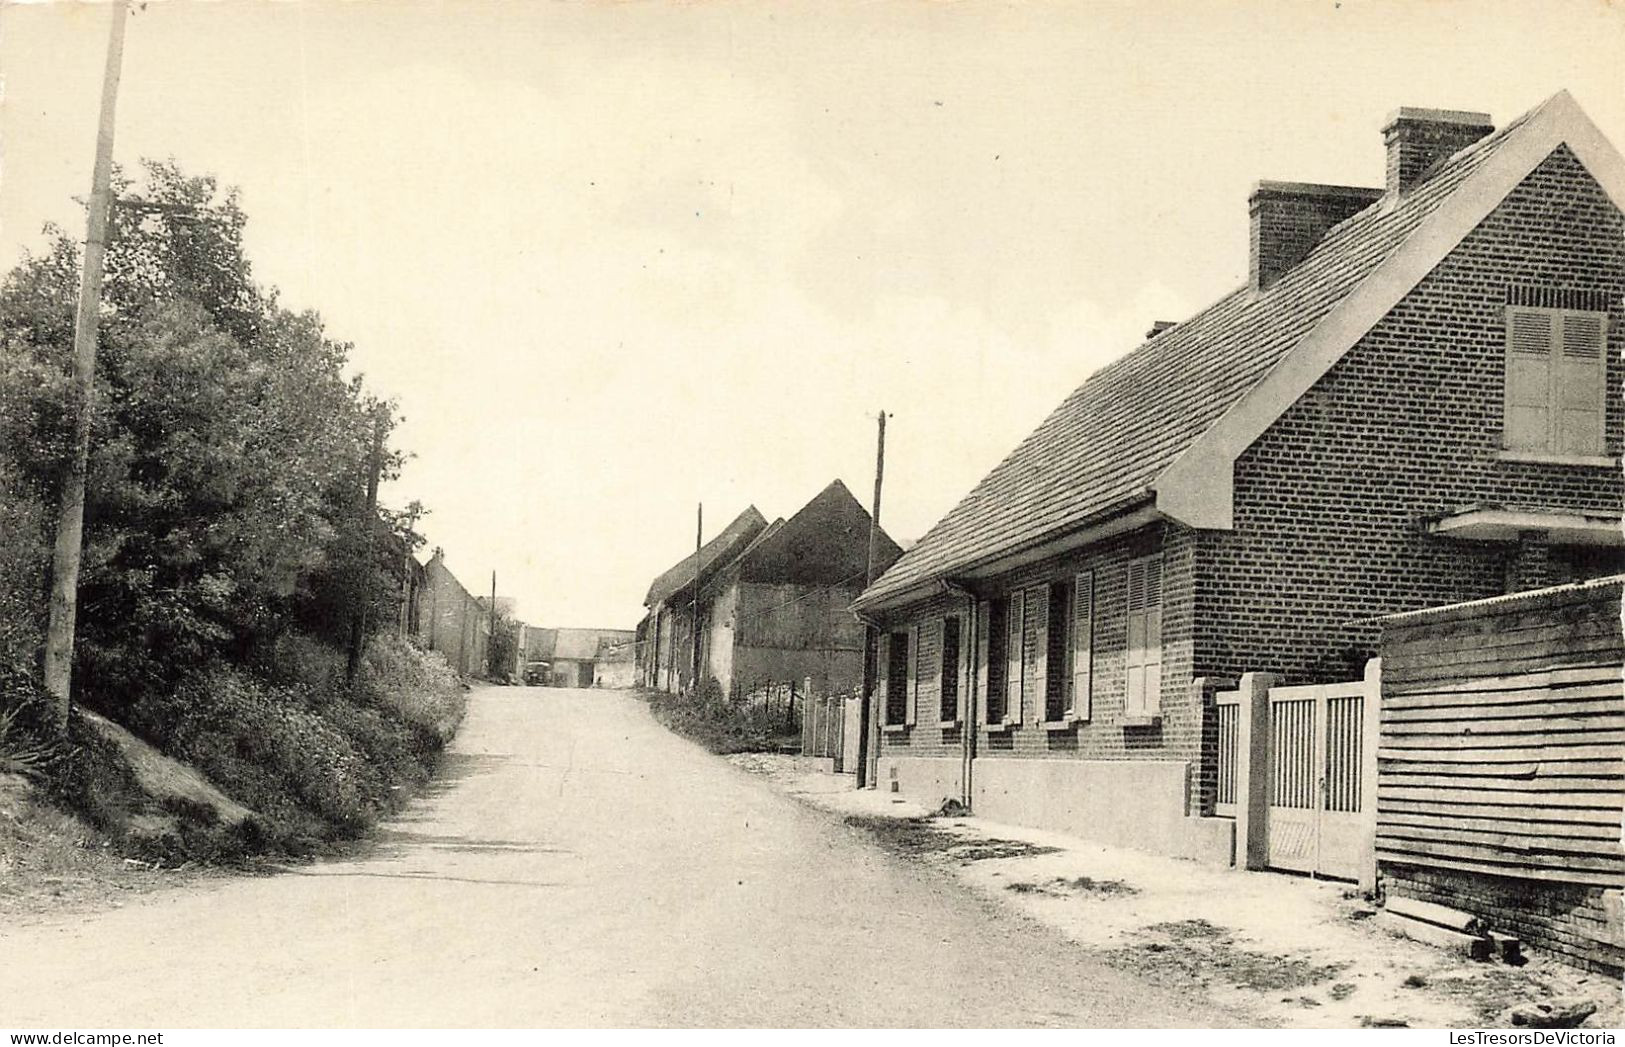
(979, 629)
(1134, 654)
(1041, 628)
(1578, 384)
(1014, 660)
(883, 677)
(962, 707)
(1083, 635)
(1528, 421)
(1153, 636)
(909, 712)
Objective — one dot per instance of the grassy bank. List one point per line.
(720, 726)
(237, 764)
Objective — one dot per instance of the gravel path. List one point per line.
(578, 865)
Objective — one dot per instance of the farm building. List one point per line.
(450, 619)
(575, 657)
(772, 602)
(1414, 400)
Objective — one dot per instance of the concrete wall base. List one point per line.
(1138, 804)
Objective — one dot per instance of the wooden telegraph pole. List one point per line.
(869, 731)
(70, 526)
(358, 621)
(491, 638)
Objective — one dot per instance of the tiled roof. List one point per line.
(1099, 451)
(717, 552)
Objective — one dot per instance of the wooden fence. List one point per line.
(1501, 764)
(823, 728)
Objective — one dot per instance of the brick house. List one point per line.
(1415, 400)
(450, 619)
(773, 601)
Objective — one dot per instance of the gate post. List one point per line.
(1370, 737)
(1253, 771)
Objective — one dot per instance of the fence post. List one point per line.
(1370, 737)
(1253, 771)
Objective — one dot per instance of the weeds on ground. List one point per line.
(921, 838)
(1183, 952)
(1062, 887)
(722, 726)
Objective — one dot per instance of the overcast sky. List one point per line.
(614, 259)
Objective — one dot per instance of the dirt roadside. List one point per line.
(1304, 953)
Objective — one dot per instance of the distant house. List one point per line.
(1414, 400)
(450, 619)
(616, 662)
(773, 602)
(577, 657)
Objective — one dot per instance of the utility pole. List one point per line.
(70, 527)
(491, 639)
(369, 521)
(699, 531)
(871, 646)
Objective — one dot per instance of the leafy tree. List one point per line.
(229, 452)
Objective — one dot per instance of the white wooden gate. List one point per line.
(1315, 790)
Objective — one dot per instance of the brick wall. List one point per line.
(1179, 735)
(1330, 502)
(1568, 919)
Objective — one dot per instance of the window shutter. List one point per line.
(1134, 654)
(1152, 650)
(962, 706)
(1579, 383)
(1083, 635)
(883, 677)
(1041, 627)
(1527, 425)
(913, 675)
(984, 615)
(1014, 660)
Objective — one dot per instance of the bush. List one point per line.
(419, 686)
(721, 726)
(268, 748)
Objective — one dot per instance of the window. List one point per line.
(1015, 673)
(896, 679)
(995, 664)
(1143, 659)
(1555, 380)
(949, 681)
(1083, 645)
(1056, 679)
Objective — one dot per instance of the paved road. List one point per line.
(577, 865)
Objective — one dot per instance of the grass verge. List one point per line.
(722, 727)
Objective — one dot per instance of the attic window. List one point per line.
(1556, 360)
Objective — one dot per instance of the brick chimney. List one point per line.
(1419, 138)
(1289, 219)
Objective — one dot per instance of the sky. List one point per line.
(616, 259)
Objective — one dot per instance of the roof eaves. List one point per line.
(1197, 487)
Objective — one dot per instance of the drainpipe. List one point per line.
(972, 718)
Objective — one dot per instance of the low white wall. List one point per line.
(1127, 803)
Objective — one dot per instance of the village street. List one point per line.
(579, 865)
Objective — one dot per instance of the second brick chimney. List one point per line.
(1289, 219)
(1419, 138)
